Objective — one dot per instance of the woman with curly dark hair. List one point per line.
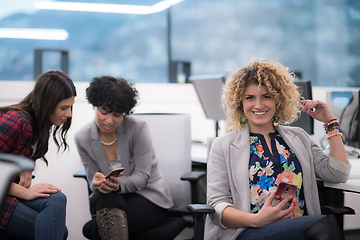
(137, 201)
(25, 129)
(248, 165)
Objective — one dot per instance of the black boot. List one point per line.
(112, 224)
(326, 228)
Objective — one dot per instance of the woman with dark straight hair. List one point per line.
(25, 130)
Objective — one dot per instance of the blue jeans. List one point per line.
(39, 219)
(291, 228)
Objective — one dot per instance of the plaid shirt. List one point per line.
(15, 137)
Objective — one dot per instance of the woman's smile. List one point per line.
(259, 107)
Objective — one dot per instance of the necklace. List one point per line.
(110, 143)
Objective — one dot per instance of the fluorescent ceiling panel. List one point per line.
(34, 33)
(106, 8)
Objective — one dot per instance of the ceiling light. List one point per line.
(106, 8)
(34, 33)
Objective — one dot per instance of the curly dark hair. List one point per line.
(115, 94)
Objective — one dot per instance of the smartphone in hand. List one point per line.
(115, 172)
(283, 191)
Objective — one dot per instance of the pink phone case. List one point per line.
(283, 191)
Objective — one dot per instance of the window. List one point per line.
(316, 38)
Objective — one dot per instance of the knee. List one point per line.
(66, 234)
(58, 198)
(110, 200)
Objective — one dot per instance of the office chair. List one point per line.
(171, 137)
(10, 166)
(332, 202)
(327, 205)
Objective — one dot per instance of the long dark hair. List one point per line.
(50, 88)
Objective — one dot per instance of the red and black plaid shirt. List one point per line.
(15, 137)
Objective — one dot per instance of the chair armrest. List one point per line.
(200, 208)
(327, 210)
(24, 163)
(80, 174)
(193, 178)
(199, 212)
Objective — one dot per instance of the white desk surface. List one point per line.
(352, 185)
(355, 168)
(199, 153)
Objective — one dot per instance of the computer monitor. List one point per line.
(305, 121)
(208, 89)
(344, 104)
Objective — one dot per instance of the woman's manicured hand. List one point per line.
(318, 110)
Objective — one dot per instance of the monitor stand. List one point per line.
(217, 128)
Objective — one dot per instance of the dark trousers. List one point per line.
(142, 215)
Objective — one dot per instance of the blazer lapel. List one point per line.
(123, 148)
(239, 165)
(296, 145)
(301, 153)
(98, 149)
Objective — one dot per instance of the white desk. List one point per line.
(199, 153)
(355, 168)
(352, 185)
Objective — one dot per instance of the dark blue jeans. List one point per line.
(291, 228)
(39, 219)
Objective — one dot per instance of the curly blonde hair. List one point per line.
(277, 80)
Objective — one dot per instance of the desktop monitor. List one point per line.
(208, 89)
(344, 104)
(305, 121)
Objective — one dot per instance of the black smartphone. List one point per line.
(115, 172)
(283, 191)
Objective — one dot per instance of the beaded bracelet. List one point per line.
(331, 125)
(333, 120)
(333, 135)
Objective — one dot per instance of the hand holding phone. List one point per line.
(115, 172)
(283, 191)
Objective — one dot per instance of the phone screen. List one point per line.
(283, 191)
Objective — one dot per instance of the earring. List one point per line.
(276, 121)
(242, 122)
